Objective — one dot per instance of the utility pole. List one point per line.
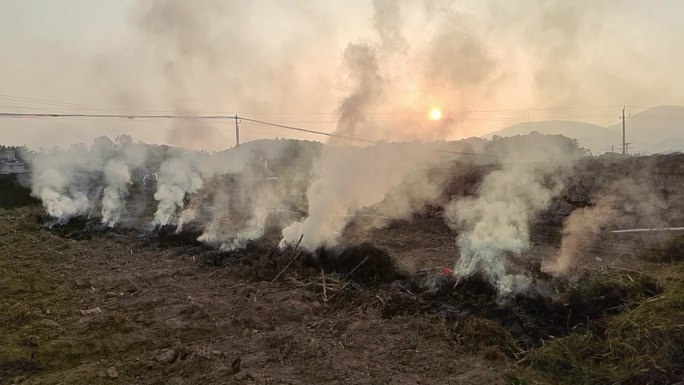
(237, 131)
(624, 143)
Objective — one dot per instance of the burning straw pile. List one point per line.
(549, 312)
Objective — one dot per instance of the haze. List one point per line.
(485, 64)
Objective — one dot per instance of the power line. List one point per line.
(24, 99)
(199, 117)
(215, 117)
(308, 130)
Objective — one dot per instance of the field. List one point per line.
(84, 306)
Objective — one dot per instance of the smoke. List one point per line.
(352, 179)
(626, 202)
(343, 183)
(361, 62)
(231, 196)
(117, 172)
(494, 226)
(117, 176)
(177, 177)
(240, 208)
(419, 189)
(348, 180)
(69, 183)
(387, 20)
(580, 230)
(183, 34)
(201, 56)
(186, 173)
(54, 186)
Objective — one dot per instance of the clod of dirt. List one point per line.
(112, 373)
(167, 356)
(49, 323)
(33, 340)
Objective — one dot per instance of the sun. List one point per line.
(435, 113)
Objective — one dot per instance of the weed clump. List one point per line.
(609, 292)
(478, 333)
(642, 344)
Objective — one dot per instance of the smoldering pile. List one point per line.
(273, 195)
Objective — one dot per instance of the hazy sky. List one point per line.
(487, 64)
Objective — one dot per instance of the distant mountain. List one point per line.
(591, 136)
(655, 130)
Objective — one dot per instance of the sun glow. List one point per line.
(435, 113)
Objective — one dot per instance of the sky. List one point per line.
(374, 69)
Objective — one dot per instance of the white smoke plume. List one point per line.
(227, 194)
(243, 205)
(344, 174)
(351, 179)
(54, 187)
(117, 176)
(75, 182)
(117, 172)
(622, 203)
(177, 178)
(494, 226)
(63, 180)
(251, 230)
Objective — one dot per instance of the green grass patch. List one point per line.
(641, 344)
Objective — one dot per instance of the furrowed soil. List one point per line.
(113, 307)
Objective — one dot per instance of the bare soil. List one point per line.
(83, 306)
(116, 308)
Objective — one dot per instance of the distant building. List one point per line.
(9, 163)
(8, 153)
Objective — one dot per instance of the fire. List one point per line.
(435, 113)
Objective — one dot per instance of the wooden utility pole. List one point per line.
(624, 144)
(237, 131)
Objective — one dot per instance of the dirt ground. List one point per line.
(114, 308)
(82, 306)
